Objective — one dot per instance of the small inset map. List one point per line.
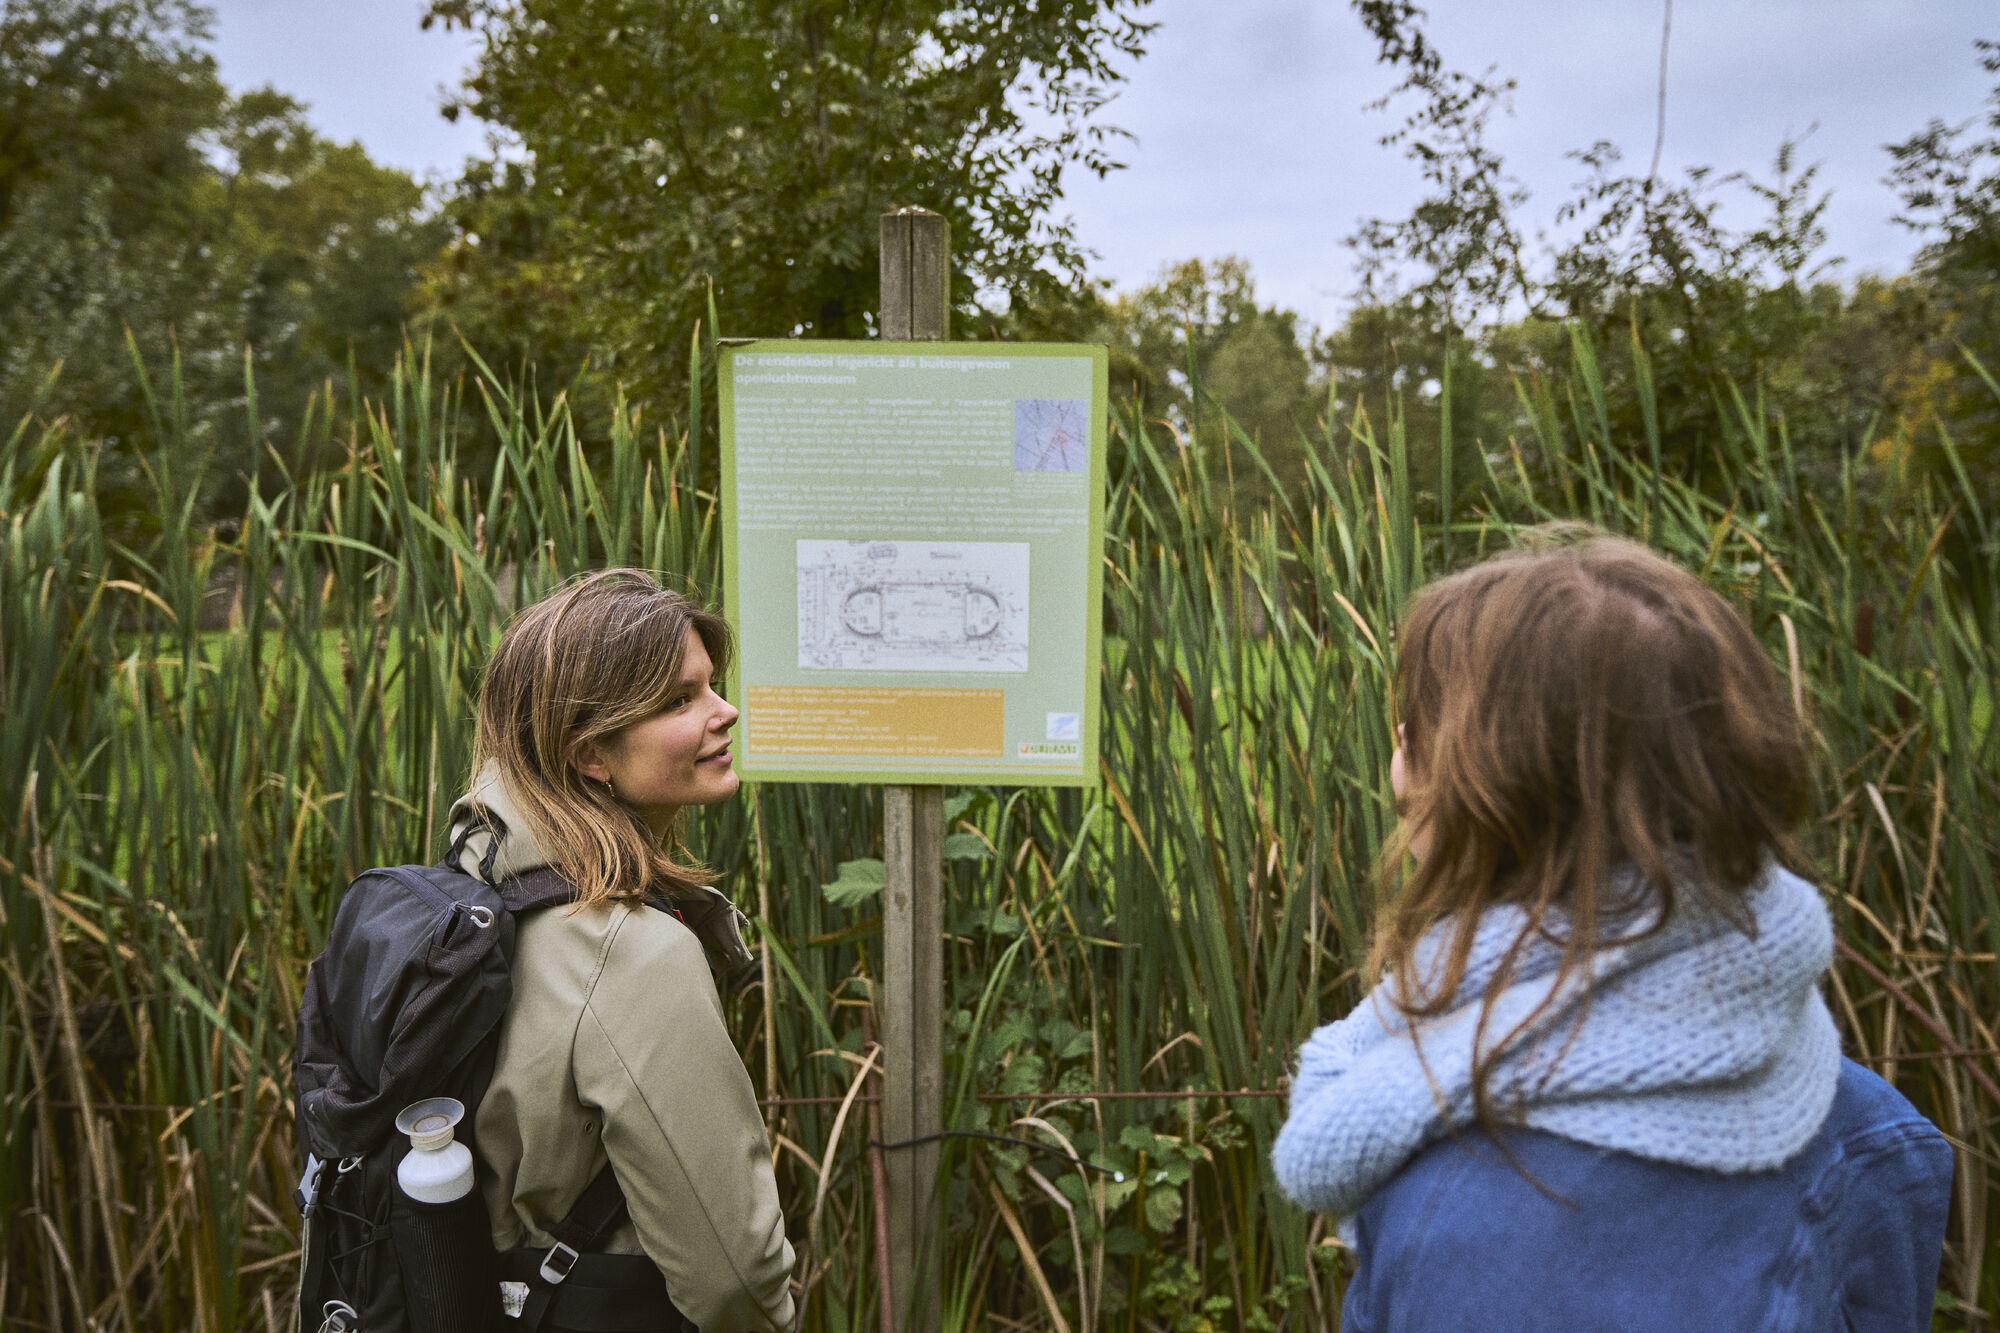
(913, 606)
(1051, 435)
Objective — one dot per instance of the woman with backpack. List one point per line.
(1596, 1085)
(599, 724)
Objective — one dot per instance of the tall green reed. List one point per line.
(185, 803)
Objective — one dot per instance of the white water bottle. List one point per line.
(437, 1169)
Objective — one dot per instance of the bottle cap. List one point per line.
(429, 1123)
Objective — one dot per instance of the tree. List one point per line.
(102, 111)
(315, 255)
(136, 193)
(1392, 362)
(1199, 324)
(1949, 180)
(508, 278)
(753, 144)
(1681, 309)
(1185, 349)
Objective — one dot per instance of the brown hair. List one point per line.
(1567, 711)
(575, 669)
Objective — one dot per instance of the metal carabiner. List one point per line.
(482, 917)
(337, 1317)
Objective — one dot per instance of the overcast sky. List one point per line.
(1252, 137)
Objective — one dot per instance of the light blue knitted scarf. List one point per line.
(1701, 1045)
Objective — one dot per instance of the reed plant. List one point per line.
(205, 730)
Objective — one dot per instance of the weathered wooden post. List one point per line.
(916, 305)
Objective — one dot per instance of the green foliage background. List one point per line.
(189, 804)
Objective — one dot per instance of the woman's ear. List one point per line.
(588, 760)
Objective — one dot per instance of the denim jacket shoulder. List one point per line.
(1849, 1230)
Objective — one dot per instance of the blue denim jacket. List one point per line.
(1845, 1235)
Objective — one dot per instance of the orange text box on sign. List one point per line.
(857, 720)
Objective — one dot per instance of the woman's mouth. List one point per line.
(720, 758)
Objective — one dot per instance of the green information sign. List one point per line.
(913, 560)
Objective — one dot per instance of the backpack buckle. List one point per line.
(307, 1193)
(558, 1262)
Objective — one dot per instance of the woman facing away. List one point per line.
(1596, 1085)
(598, 725)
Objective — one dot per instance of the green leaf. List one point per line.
(1163, 1210)
(1124, 1240)
(1223, 1135)
(965, 847)
(1074, 1079)
(1025, 1073)
(1067, 1039)
(857, 882)
(1011, 1032)
(1002, 922)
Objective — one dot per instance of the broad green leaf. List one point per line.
(1163, 1209)
(857, 882)
(965, 847)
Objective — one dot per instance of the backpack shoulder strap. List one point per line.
(544, 887)
(600, 1209)
(597, 1212)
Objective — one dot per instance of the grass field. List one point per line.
(183, 808)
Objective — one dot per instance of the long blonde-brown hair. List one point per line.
(1569, 711)
(573, 670)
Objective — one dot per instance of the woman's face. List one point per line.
(677, 757)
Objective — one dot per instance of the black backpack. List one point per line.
(405, 1004)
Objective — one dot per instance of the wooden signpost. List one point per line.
(916, 305)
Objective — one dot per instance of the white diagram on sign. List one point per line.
(913, 606)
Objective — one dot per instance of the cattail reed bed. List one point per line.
(183, 805)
